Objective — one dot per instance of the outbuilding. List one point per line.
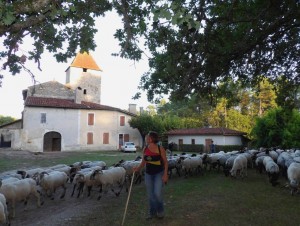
(205, 137)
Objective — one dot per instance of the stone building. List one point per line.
(70, 117)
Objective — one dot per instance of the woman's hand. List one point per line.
(165, 178)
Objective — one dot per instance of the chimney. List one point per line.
(132, 108)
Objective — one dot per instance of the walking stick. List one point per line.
(129, 192)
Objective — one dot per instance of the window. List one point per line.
(43, 118)
(105, 138)
(90, 138)
(91, 119)
(84, 91)
(122, 120)
(193, 141)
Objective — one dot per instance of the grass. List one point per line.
(209, 199)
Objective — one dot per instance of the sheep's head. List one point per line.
(22, 173)
(294, 184)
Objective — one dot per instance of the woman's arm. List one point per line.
(165, 161)
(142, 164)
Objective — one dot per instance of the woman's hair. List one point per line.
(154, 136)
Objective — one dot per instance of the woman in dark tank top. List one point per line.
(156, 174)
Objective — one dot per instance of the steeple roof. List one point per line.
(85, 61)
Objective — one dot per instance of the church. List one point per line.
(70, 117)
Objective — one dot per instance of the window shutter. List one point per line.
(91, 118)
(122, 120)
(126, 137)
(90, 138)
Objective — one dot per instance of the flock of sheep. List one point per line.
(42, 183)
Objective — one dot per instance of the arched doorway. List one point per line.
(52, 141)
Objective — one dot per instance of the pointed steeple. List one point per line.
(85, 61)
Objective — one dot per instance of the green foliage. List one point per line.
(292, 130)
(277, 128)
(193, 46)
(63, 28)
(6, 119)
(196, 45)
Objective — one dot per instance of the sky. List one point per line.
(120, 77)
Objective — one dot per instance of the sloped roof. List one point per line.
(86, 61)
(7, 125)
(206, 131)
(47, 102)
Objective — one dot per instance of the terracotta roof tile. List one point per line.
(47, 102)
(206, 131)
(85, 60)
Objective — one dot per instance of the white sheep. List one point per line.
(229, 164)
(272, 169)
(293, 174)
(129, 166)
(259, 163)
(9, 180)
(30, 172)
(239, 165)
(174, 163)
(49, 182)
(3, 210)
(110, 178)
(18, 191)
(62, 168)
(83, 180)
(102, 164)
(192, 164)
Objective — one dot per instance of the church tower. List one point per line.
(86, 85)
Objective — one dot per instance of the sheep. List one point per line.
(192, 164)
(239, 164)
(211, 160)
(77, 166)
(9, 180)
(109, 178)
(9, 175)
(83, 179)
(259, 163)
(129, 166)
(62, 168)
(283, 161)
(174, 163)
(18, 191)
(102, 164)
(293, 174)
(229, 164)
(249, 159)
(3, 211)
(222, 160)
(30, 173)
(49, 182)
(272, 170)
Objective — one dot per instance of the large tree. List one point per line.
(192, 45)
(61, 27)
(197, 44)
